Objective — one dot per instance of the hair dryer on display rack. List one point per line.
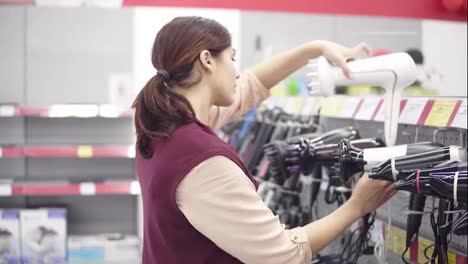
(393, 72)
(437, 181)
(354, 160)
(280, 153)
(451, 185)
(391, 169)
(303, 155)
(446, 185)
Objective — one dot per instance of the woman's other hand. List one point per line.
(340, 55)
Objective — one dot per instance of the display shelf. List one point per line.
(66, 111)
(82, 151)
(436, 112)
(130, 187)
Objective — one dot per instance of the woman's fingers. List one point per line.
(361, 47)
(340, 61)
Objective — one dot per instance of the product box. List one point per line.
(103, 248)
(44, 236)
(10, 237)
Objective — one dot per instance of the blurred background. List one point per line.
(70, 69)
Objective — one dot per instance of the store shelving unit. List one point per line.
(65, 188)
(84, 151)
(77, 156)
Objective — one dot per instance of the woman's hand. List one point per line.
(369, 194)
(339, 55)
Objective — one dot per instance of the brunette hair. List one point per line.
(158, 108)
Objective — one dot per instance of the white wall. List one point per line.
(444, 46)
(148, 21)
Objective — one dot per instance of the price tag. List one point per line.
(5, 189)
(282, 102)
(380, 116)
(460, 119)
(270, 102)
(368, 108)
(87, 188)
(440, 113)
(298, 105)
(85, 152)
(349, 107)
(452, 257)
(423, 244)
(308, 106)
(413, 110)
(318, 105)
(290, 104)
(332, 106)
(7, 110)
(398, 241)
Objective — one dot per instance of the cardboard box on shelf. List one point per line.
(44, 236)
(10, 237)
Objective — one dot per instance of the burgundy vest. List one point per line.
(169, 238)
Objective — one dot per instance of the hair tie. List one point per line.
(166, 76)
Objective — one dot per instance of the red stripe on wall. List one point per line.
(358, 107)
(403, 103)
(428, 9)
(425, 112)
(376, 110)
(454, 113)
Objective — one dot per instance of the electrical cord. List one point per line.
(357, 243)
(403, 255)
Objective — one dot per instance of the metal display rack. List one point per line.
(442, 120)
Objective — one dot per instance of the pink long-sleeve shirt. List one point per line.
(222, 204)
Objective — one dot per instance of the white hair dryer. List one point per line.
(393, 72)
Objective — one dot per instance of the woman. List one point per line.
(200, 202)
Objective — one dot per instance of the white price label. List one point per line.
(5, 190)
(368, 108)
(460, 120)
(413, 110)
(290, 105)
(350, 106)
(7, 110)
(308, 108)
(87, 188)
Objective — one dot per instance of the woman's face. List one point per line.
(225, 77)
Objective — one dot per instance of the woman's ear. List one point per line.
(206, 60)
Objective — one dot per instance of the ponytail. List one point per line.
(158, 111)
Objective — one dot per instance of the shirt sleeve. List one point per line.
(249, 94)
(221, 203)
